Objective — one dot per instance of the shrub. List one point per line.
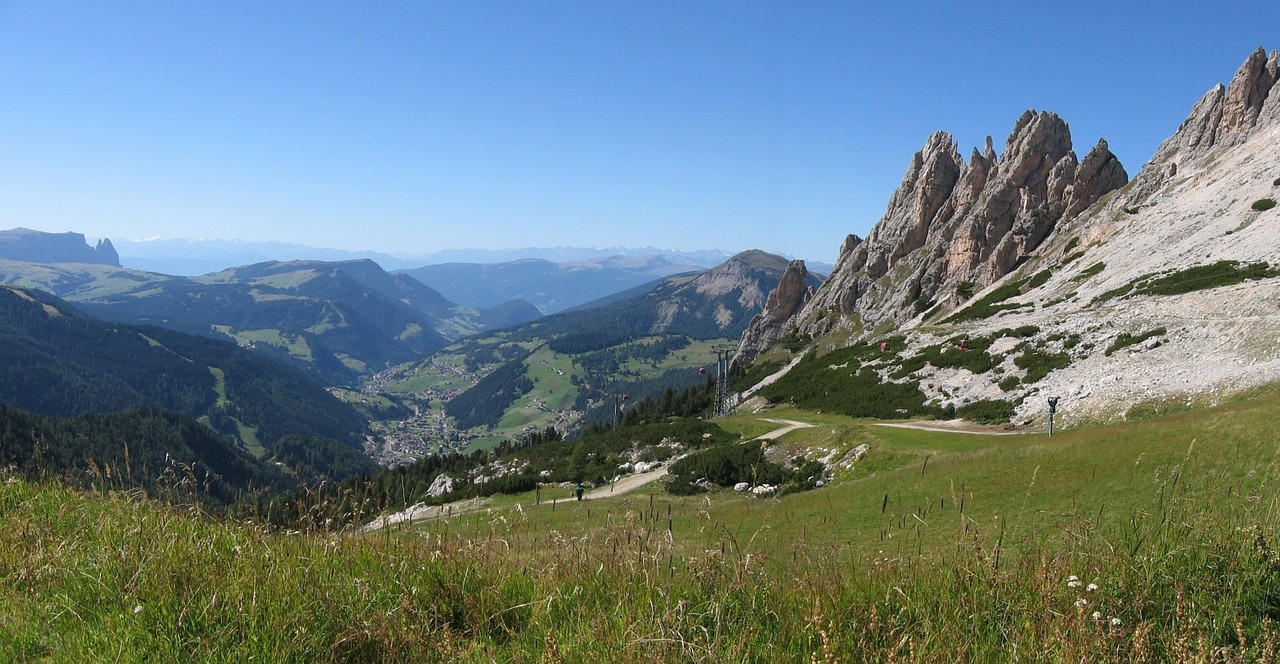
(1125, 339)
(727, 465)
(1202, 277)
(1090, 271)
(987, 411)
(1264, 204)
(1039, 363)
(851, 390)
(989, 304)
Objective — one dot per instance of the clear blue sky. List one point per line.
(409, 127)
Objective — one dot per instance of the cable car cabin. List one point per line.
(884, 346)
(963, 345)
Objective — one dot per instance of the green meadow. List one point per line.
(1147, 541)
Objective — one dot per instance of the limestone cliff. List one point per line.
(792, 292)
(952, 222)
(1225, 117)
(1160, 294)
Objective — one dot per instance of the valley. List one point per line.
(321, 460)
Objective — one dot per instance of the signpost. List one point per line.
(1053, 407)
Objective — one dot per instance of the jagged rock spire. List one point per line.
(1225, 116)
(785, 301)
(950, 221)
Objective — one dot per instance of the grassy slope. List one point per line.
(1171, 518)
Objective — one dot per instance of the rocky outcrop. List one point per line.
(1224, 117)
(952, 221)
(792, 292)
(28, 246)
(719, 302)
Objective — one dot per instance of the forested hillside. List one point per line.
(57, 362)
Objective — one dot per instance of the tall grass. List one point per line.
(973, 550)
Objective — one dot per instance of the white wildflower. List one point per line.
(1115, 622)
(1073, 581)
(1081, 602)
(1091, 587)
(1097, 615)
(137, 609)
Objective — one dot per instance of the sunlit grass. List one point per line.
(1149, 541)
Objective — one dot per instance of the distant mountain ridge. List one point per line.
(551, 287)
(338, 321)
(192, 257)
(24, 244)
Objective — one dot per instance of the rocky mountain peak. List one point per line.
(1226, 116)
(951, 222)
(791, 294)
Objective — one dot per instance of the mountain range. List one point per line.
(192, 257)
(338, 321)
(1010, 278)
(551, 287)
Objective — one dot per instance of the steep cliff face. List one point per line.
(952, 222)
(1225, 117)
(791, 294)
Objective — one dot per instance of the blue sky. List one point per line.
(417, 126)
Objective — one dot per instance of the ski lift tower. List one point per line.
(724, 354)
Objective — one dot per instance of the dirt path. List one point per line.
(788, 427)
(953, 426)
(420, 512)
(625, 485)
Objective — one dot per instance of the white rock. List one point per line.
(441, 485)
(741, 486)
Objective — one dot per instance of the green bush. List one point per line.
(1090, 271)
(727, 465)
(1264, 204)
(989, 304)
(1038, 363)
(1125, 339)
(851, 390)
(987, 411)
(1202, 277)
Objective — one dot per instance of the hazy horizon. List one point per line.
(415, 128)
